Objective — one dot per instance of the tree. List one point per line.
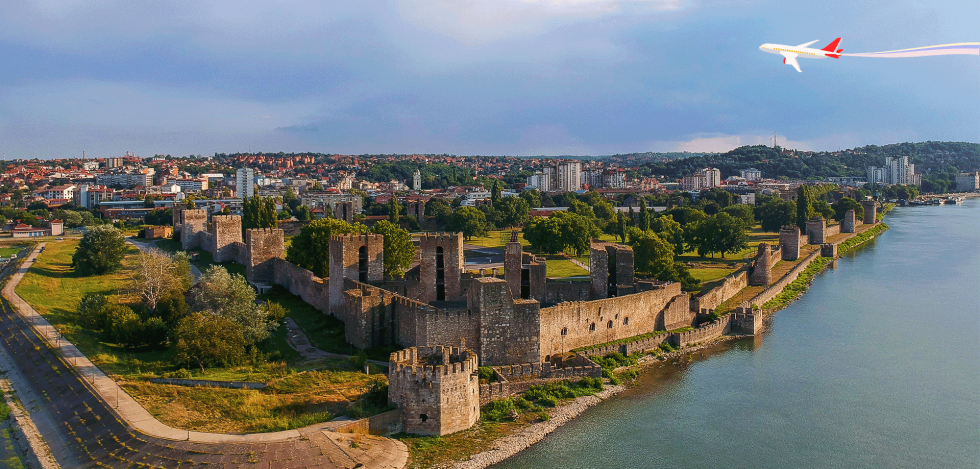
(846, 203)
(560, 232)
(469, 221)
(652, 253)
(804, 207)
(495, 193)
(156, 217)
(289, 199)
(310, 249)
(775, 214)
(398, 248)
(621, 226)
(644, 215)
(231, 297)
(209, 340)
(100, 251)
(394, 208)
(743, 212)
(685, 215)
(157, 275)
(440, 210)
(721, 233)
(258, 213)
(511, 211)
(90, 313)
(532, 197)
(823, 209)
(670, 231)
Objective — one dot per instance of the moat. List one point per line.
(876, 366)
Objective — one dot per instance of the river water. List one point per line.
(878, 365)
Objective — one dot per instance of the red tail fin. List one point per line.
(833, 45)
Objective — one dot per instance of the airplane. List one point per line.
(790, 53)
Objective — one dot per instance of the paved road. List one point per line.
(92, 422)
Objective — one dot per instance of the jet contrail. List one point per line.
(960, 48)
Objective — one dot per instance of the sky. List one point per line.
(475, 77)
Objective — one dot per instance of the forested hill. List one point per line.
(935, 160)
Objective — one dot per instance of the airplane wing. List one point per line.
(808, 44)
(789, 58)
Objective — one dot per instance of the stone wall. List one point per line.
(193, 223)
(816, 230)
(345, 262)
(849, 223)
(440, 267)
(870, 212)
(713, 298)
(302, 283)
(516, 379)
(713, 330)
(264, 246)
(628, 348)
(610, 264)
(344, 211)
(832, 230)
(746, 321)
(828, 250)
(225, 231)
(154, 232)
(560, 291)
(386, 423)
(789, 242)
(573, 325)
(510, 329)
(436, 389)
(773, 290)
(765, 259)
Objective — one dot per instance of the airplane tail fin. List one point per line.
(833, 45)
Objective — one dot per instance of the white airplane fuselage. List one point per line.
(790, 53)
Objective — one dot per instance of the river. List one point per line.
(878, 365)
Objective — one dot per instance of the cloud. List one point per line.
(477, 22)
(723, 143)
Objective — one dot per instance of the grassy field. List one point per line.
(709, 275)
(292, 401)
(440, 451)
(561, 268)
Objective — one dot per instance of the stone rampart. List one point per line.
(510, 329)
(832, 230)
(440, 266)
(816, 230)
(729, 287)
(849, 223)
(789, 242)
(870, 212)
(263, 247)
(579, 324)
(828, 250)
(560, 291)
(386, 423)
(713, 330)
(774, 289)
(353, 256)
(746, 321)
(225, 230)
(302, 283)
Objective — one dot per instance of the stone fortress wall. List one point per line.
(437, 389)
(522, 318)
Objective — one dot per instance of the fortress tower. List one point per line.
(440, 267)
(344, 211)
(437, 389)
(358, 257)
(226, 230)
(192, 224)
(816, 229)
(789, 241)
(848, 224)
(262, 246)
(762, 269)
(870, 212)
(611, 266)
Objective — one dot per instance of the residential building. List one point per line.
(966, 182)
(569, 176)
(752, 174)
(244, 179)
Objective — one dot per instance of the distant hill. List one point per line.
(935, 160)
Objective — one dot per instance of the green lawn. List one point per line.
(562, 268)
(710, 275)
(7, 252)
(496, 239)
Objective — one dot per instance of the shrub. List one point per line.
(486, 374)
(100, 251)
(91, 312)
(497, 410)
(666, 347)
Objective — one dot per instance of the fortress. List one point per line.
(451, 321)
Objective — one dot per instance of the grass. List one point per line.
(496, 239)
(442, 451)
(561, 268)
(799, 286)
(860, 239)
(7, 252)
(708, 275)
(294, 401)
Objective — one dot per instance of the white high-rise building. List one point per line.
(244, 179)
(752, 174)
(712, 177)
(569, 176)
(897, 170)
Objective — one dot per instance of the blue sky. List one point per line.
(515, 77)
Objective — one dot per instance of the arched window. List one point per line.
(362, 264)
(609, 324)
(626, 321)
(592, 327)
(423, 418)
(564, 331)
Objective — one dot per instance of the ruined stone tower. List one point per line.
(816, 229)
(344, 211)
(513, 260)
(789, 242)
(848, 224)
(440, 266)
(762, 269)
(611, 265)
(870, 212)
(262, 246)
(225, 231)
(358, 257)
(192, 224)
(437, 389)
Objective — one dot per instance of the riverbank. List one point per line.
(521, 439)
